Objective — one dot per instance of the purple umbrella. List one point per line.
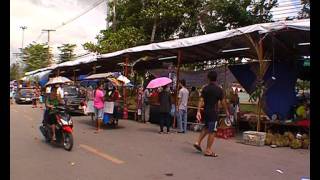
(158, 82)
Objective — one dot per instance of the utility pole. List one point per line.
(48, 31)
(23, 28)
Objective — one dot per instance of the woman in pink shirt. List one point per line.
(98, 104)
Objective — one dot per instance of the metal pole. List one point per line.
(177, 84)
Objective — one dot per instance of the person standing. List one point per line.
(146, 106)
(234, 103)
(98, 104)
(210, 96)
(139, 103)
(183, 107)
(164, 109)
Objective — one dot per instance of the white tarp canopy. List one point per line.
(212, 46)
(302, 25)
(80, 60)
(88, 58)
(39, 75)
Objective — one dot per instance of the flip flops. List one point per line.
(197, 147)
(211, 155)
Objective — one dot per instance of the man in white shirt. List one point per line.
(183, 107)
(60, 91)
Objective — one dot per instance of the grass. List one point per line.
(248, 108)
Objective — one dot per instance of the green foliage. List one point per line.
(15, 70)
(36, 56)
(109, 41)
(66, 52)
(141, 21)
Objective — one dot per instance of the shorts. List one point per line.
(210, 122)
(51, 118)
(99, 113)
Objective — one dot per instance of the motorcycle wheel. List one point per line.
(67, 141)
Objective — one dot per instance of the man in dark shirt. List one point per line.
(210, 96)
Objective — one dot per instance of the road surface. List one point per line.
(137, 151)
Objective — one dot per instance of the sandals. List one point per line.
(211, 154)
(197, 147)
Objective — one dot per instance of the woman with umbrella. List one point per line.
(164, 100)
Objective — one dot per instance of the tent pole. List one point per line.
(74, 76)
(94, 68)
(177, 86)
(260, 78)
(125, 109)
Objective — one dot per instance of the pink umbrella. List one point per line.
(158, 82)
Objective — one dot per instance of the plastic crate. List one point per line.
(225, 133)
(254, 138)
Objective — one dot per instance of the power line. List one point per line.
(81, 14)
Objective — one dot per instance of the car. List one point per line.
(24, 95)
(73, 98)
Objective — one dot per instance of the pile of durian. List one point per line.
(288, 139)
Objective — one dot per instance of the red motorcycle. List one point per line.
(63, 130)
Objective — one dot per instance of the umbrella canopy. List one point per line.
(99, 76)
(158, 82)
(115, 82)
(58, 80)
(124, 79)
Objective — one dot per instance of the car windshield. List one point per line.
(71, 90)
(25, 91)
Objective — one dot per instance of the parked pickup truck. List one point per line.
(73, 98)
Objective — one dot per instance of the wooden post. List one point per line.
(177, 85)
(94, 69)
(125, 107)
(74, 76)
(260, 79)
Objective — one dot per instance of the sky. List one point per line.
(48, 14)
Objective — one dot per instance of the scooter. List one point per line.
(63, 131)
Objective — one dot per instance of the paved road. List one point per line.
(136, 151)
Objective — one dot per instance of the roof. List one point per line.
(280, 41)
(212, 46)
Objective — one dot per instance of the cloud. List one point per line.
(47, 14)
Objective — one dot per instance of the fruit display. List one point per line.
(288, 139)
(296, 144)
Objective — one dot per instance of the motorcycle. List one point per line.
(63, 130)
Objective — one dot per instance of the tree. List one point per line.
(161, 20)
(66, 52)
(109, 41)
(15, 71)
(305, 11)
(36, 56)
(219, 15)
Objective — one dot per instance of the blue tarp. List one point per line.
(280, 94)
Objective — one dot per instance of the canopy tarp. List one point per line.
(279, 96)
(283, 36)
